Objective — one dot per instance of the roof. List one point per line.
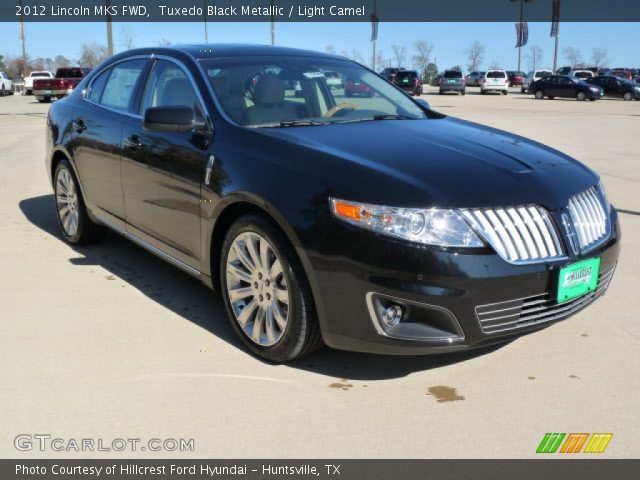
(214, 50)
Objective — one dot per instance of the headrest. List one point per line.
(178, 92)
(269, 90)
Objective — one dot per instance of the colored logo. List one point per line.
(573, 442)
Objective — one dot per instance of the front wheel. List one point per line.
(75, 224)
(266, 292)
(628, 96)
(581, 96)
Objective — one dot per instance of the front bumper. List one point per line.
(452, 87)
(450, 297)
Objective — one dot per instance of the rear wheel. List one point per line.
(581, 96)
(627, 96)
(505, 92)
(266, 292)
(2, 91)
(75, 224)
(522, 89)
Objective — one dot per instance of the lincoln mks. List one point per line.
(369, 223)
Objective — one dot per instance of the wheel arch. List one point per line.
(232, 208)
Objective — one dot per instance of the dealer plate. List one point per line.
(47, 91)
(578, 279)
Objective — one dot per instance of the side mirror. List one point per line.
(422, 102)
(169, 119)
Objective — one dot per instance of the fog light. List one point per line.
(392, 316)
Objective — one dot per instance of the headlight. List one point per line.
(594, 89)
(432, 226)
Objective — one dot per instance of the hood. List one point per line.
(438, 162)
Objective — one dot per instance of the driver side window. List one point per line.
(169, 86)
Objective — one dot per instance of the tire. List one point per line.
(551, 98)
(440, 92)
(581, 96)
(539, 94)
(628, 96)
(463, 92)
(506, 92)
(483, 92)
(45, 100)
(68, 199)
(522, 90)
(3, 93)
(297, 333)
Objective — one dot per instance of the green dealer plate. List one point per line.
(47, 91)
(578, 279)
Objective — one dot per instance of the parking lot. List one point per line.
(111, 342)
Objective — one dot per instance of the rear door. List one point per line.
(163, 171)
(97, 131)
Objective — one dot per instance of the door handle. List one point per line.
(133, 142)
(79, 125)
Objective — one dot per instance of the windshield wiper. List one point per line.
(389, 116)
(293, 123)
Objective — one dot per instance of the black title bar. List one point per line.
(317, 10)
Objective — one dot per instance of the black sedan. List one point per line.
(564, 87)
(617, 87)
(373, 224)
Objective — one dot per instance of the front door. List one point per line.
(162, 171)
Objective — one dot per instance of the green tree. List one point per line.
(457, 68)
(430, 72)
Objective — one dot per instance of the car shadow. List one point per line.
(186, 296)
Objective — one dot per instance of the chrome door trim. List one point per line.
(147, 246)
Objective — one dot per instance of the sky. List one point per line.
(450, 40)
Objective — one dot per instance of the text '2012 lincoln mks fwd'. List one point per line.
(368, 223)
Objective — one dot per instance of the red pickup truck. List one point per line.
(62, 85)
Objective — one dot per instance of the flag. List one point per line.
(374, 26)
(522, 34)
(555, 22)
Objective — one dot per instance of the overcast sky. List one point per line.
(450, 40)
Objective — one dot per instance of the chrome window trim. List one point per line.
(150, 56)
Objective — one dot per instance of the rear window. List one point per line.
(40, 74)
(331, 75)
(542, 74)
(496, 74)
(70, 73)
(403, 75)
(452, 74)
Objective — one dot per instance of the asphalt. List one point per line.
(109, 342)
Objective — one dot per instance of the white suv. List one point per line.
(28, 81)
(6, 85)
(533, 76)
(495, 81)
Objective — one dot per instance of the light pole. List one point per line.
(555, 31)
(23, 41)
(206, 30)
(273, 24)
(107, 4)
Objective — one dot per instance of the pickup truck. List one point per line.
(62, 85)
(28, 81)
(6, 85)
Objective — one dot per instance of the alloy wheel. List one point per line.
(581, 96)
(67, 202)
(627, 96)
(257, 289)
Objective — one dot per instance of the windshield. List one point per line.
(287, 91)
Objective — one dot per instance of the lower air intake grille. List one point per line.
(522, 312)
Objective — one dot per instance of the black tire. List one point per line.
(522, 90)
(505, 92)
(87, 231)
(483, 92)
(551, 98)
(2, 91)
(463, 92)
(539, 94)
(301, 336)
(628, 96)
(440, 92)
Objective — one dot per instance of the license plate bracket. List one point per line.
(578, 279)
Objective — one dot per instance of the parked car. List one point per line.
(437, 80)
(390, 72)
(333, 80)
(376, 226)
(563, 86)
(475, 78)
(563, 71)
(28, 81)
(581, 74)
(515, 78)
(495, 81)
(617, 87)
(533, 76)
(6, 85)
(62, 85)
(452, 81)
(357, 88)
(409, 81)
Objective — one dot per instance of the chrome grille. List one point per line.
(589, 218)
(518, 234)
(522, 312)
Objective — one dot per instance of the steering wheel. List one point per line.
(340, 106)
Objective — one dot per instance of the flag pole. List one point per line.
(373, 58)
(520, 43)
(557, 32)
